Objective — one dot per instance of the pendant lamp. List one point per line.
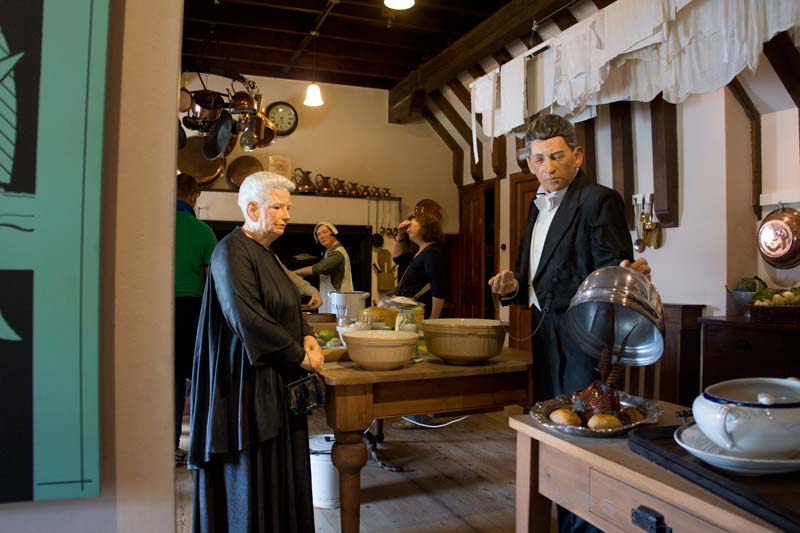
(313, 94)
(398, 4)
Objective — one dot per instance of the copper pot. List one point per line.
(779, 238)
(206, 106)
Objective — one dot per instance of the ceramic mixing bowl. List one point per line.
(380, 349)
(463, 341)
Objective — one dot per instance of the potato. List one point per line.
(604, 422)
(778, 300)
(565, 417)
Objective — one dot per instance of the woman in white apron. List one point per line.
(334, 268)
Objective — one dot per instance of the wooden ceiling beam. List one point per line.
(455, 149)
(508, 23)
(785, 59)
(300, 23)
(271, 71)
(564, 19)
(266, 40)
(502, 56)
(372, 14)
(330, 63)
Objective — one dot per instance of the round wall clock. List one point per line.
(284, 116)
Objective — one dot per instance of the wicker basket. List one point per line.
(782, 314)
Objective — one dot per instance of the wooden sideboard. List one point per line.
(735, 347)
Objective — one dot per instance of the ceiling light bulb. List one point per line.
(398, 4)
(313, 96)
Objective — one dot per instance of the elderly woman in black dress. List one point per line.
(248, 450)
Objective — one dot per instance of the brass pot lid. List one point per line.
(192, 161)
(240, 168)
(779, 238)
(428, 207)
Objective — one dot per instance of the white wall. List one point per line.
(350, 138)
(137, 490)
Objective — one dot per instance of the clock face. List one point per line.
(284, 116)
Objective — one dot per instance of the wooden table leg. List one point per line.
(532, 509)
(349, 457)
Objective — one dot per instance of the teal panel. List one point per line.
(60, 244)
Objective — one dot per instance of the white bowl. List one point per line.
(357, 326)
(380, 349)
(464, 341)
(752, 417)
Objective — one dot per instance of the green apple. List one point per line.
(325, 335)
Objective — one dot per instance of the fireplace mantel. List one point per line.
(309, 209)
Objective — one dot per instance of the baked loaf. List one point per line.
(565, 417)
(604, 422)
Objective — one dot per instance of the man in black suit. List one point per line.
(574, 227)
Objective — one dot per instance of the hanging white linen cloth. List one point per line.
(632, 50)
(513, 105)
(483, 100)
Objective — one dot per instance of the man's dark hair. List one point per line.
(548, 126)
(187, 186)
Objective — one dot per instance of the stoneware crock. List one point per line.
(757, 418)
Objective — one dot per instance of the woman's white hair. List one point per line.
(259, 186)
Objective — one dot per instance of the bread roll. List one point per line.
(631, 415)
(604, 422)
(565, 417)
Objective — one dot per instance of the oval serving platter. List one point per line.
(540, 412)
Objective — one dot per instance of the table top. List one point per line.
(429, 367)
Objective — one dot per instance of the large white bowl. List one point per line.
(757, 418)
(380, 349)
(464, 341)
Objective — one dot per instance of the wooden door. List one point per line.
(523, 191)
(471, 271)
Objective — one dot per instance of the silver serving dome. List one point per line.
(623, 300)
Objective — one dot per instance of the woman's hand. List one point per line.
(314, 359)
(402, 229)
(316, 300)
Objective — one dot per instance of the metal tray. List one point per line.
(541, 413)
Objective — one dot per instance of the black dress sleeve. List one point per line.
(434, 270)
(238, 288)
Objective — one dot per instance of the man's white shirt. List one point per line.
(547, 203)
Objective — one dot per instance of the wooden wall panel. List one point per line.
(622, 155)
(664, 128)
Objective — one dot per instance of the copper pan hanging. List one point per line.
(779, 238)
(192, 161)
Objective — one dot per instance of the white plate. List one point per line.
(694, 441)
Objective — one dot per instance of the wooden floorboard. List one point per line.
(458, 478)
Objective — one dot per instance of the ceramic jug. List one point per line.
(323, 184)
(363, 191)
(302, 180)
(386, 192)
(352, 189)
(375, 191)
(339, 188)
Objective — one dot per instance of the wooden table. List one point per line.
(602, 481)
(356, 397)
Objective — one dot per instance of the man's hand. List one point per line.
(640, 266)
(504, 283)
(316, 300)
(314, 359)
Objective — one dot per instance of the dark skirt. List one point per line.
(264, 488)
